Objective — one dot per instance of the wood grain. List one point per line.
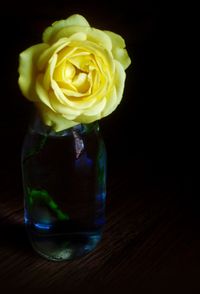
(151, 241)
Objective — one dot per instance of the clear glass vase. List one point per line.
(64, 180)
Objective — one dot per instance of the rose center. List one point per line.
(74, 74)
(81, 82)
(75, 77)
(70, 71)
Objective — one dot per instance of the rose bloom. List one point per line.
(76, 75)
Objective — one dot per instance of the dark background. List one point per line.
(148, 137)
(154, 118)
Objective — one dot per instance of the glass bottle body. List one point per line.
(64, 180)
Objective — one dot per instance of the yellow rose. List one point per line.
(76, 75)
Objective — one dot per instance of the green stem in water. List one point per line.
(43, 195)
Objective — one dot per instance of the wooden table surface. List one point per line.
(151, 242)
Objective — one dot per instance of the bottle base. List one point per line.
(64, 247)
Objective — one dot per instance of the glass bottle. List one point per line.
(64, 181)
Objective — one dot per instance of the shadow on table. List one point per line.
(13, 236)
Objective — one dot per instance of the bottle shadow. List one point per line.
(14, 236)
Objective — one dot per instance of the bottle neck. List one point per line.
(37, 126)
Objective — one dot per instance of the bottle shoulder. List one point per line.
(36, 126)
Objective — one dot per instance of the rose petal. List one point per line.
(99, 37)
(111, 102)
(67, 32)
(79, 36)
(87, 119)
(119, 81)
(66, 85)
(95, 109)
(117, 40)
(62, 96)
(81, 61)
(57, 121)
(48, 53)
(48, 76)
(118, 45)
(65, 53)
(68, 93)
(81, 82)
(28, 70)
(79, 102)
(79, 52)
(42, 92)
(65, 110)
(73, 20)
(105, 56)
(59, 72)
(122, 56)
(59, 93)
(64, 74)
(114, 97)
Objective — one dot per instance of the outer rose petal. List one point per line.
(111, 102)
(117, 40)
(115, 95)
(42, 93)
(119, 82)
(121, 55)
(73, 20)
(87, 119)
(118, 45)
(28, 70)
(99, 37)
(96, 109)
(79, 36)
(67, 32)
(94, 35)
(55, 120)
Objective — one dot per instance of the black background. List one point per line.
(149, 136)
(153, 119)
